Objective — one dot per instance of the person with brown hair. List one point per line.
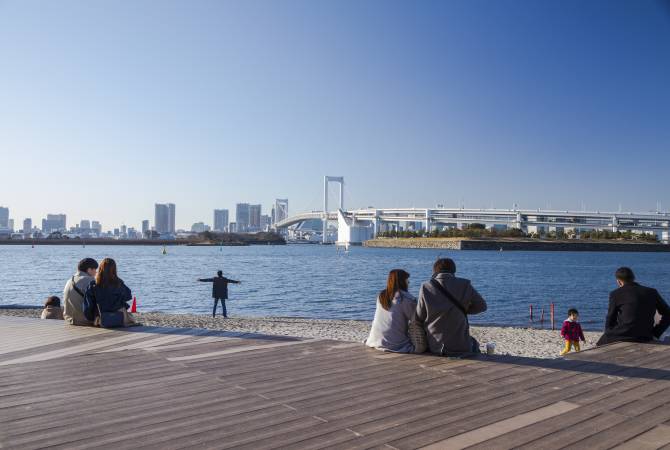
(106, 298)
(395, 308)
(52, 309)
(445, 301)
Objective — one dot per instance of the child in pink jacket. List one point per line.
(571, 331)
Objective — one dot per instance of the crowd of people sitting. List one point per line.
(438, 320)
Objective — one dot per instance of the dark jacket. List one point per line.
(220, 286)
(631, 314)
(108, 299)
(447, 328)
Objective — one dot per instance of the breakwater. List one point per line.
(516, 245)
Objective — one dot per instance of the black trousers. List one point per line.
(223, 307)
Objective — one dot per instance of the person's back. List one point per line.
(73, 293)
(107, 293)
(389, 330)
(446, 324)
(52, 309)
(632, 310)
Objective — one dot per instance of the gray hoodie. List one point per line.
(447, 329)
(73, 312)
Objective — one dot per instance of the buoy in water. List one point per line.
(164, 250)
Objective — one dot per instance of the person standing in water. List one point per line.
(219, 291)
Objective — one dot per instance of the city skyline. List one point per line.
(539, 104)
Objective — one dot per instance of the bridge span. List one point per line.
(375, 220)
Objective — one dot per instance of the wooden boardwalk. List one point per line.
(170, 388)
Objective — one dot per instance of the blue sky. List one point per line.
(108, 107)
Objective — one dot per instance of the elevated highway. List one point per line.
(525, 220)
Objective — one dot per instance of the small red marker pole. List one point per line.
(133, 308)
(551, 312)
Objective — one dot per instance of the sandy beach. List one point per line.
(509, 341)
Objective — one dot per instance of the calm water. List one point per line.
(317, 281)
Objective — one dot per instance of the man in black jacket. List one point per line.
(219, 290)
(632, 311)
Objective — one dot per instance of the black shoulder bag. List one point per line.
(76, 288)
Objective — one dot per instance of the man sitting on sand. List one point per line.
(73, 294)
(443, 307)
(632, 311)
(219, 290)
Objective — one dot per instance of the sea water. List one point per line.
(318, 281)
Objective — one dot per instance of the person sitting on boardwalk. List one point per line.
(107, 297)
(632, 310)
(219, 290)
(571, 332)
(52, 309)
(395, 308)
(443, 307)
(73, 293)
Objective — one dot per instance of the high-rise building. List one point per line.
(96, 227)
(171, 217)
(265, 222)
(145, 227)
(85, 224)
(124, 230)
(242, 217)
(10, 225)
(254, 217)
(164, 217)
(27, 225)
(54, 222)
(220, 219)
(4, 217)
(281, 210)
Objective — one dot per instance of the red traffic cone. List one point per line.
(133, 308)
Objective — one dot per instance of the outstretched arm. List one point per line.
(206, 280)
(232, 281)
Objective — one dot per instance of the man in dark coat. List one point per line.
(219, 290)
(632, 311)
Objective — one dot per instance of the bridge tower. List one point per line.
(326, 180)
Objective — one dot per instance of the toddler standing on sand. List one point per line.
(571, 331)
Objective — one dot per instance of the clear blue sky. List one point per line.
(108, 107)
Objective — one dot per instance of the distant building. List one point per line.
(85, 224)
(199, 227)
(96, 227)
(4, 217)
(145, 227)
(266, 222)
(255, 217)
(220, 219)
(10, 225)
(116, 232)
(53, 223)
(124, 230)
(164, 217)
(232, 227)
(242, 217)
(27, 225)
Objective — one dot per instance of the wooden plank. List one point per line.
(649, 440)
(487, 432)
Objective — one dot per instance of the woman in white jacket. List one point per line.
(395, 308)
